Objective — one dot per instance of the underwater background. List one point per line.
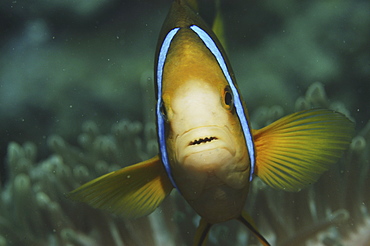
(77, 99)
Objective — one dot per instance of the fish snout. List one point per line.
(208, 145)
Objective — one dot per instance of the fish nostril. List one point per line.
(202, 140)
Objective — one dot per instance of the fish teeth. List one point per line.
(202, 140)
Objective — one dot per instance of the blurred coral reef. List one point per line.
(76, 101)
(35, 211)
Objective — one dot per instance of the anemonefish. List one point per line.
(207, 149)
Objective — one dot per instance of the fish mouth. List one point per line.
(202, 140)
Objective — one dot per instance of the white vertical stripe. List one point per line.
(211, 45)
(160, 121)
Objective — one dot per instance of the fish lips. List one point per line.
(205, 148)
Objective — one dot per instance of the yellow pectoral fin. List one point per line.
(295, 150)
(131, 192)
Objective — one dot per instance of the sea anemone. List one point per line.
(34, 209)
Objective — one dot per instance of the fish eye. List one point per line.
(228, 98)
(163, 111)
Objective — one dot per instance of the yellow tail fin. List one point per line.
(201, 235)
(131, 192)
(248, 222)
(218, 25)
(295, 150)
(193, 4)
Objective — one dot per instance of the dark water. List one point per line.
(84, 72)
